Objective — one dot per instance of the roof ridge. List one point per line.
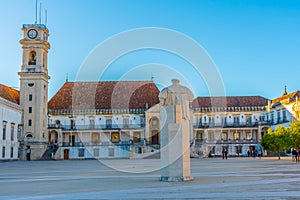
(108, 81)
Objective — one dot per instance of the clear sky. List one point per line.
(255, 44)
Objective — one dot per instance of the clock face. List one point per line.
(32, 33)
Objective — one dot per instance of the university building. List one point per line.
(120, 119)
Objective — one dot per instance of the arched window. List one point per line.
(32, 58)
(29, 136)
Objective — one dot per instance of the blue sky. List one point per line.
(254, 44)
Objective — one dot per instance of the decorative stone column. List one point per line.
(175, 132)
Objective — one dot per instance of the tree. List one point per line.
(276, 140)
(295, 134)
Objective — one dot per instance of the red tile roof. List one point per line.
(287, 97)
(229, 101)
(105, 95)
(10, 94)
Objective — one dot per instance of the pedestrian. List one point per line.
(226, 154)
(259, 153)
(248, 153)
(293, 154)
(296, 156)
(223, 154)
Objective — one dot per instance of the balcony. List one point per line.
(105, 143)
(226, 125)
(229, 141)
(96, 127)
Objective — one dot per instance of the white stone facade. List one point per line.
(92, 135)
(10, 127)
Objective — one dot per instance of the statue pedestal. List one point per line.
(175, 145)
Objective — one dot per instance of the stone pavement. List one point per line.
(235, 178)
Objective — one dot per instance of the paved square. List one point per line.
(243, 178)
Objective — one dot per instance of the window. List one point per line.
(248, 136)
(111, 152)
(30, 84)
(236, 136)
(30, 97)
(199, 136)
(95, 138)
(125, 122)
(11, 152)
(115, 137)
(92, 123)
(154, 123)
(12, 131)
(211, 136)
(29, 122)
(30, 110)
(284, 115)
(72, 123)
(225, 136)
(3, 152)
(19, 130)
(136, 136)
(4, 130)
(96, 152)
(108, 123)
(80, 152)
(32, 58)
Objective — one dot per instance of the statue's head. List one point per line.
(175, 81)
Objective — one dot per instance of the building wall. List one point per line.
(11, 115)
(91, 136)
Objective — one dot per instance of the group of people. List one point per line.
(255, 153)
(295, 155)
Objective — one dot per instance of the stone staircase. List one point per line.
(49, 154)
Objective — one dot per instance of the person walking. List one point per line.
(226, 154)
(223, 154)
(293, 154)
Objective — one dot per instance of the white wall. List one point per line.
(10, 113)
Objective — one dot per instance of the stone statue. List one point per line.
(175, 132)
(177, 94)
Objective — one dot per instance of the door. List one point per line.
(66, 154)
(155, 137)
(72, 140)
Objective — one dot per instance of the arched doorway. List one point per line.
(154, 130)
(53, 137)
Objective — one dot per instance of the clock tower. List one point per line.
(34, 90)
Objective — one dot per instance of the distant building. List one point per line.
(10, 123)
(283, 110)
(232, 123)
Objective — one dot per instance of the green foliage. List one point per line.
(282, 138)
(276, 140)
(295, 134)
